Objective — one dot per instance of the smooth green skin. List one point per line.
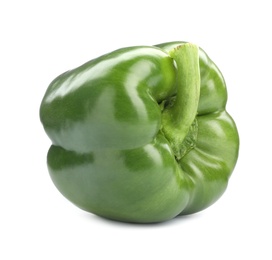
(109, 154)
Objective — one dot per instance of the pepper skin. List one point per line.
(141, 134)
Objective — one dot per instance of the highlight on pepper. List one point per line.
(141, 134)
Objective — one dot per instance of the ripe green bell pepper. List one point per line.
(141, 134)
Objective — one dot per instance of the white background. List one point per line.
(41, 39)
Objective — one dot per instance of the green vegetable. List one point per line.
(141, 134)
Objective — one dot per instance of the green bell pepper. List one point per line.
(141, 134)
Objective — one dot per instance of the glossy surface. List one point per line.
(109, 102)
(109, 156)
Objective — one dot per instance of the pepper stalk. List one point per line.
(178, 118)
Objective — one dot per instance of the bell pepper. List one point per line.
(141, 134)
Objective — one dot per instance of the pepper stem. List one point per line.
(178, 117)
